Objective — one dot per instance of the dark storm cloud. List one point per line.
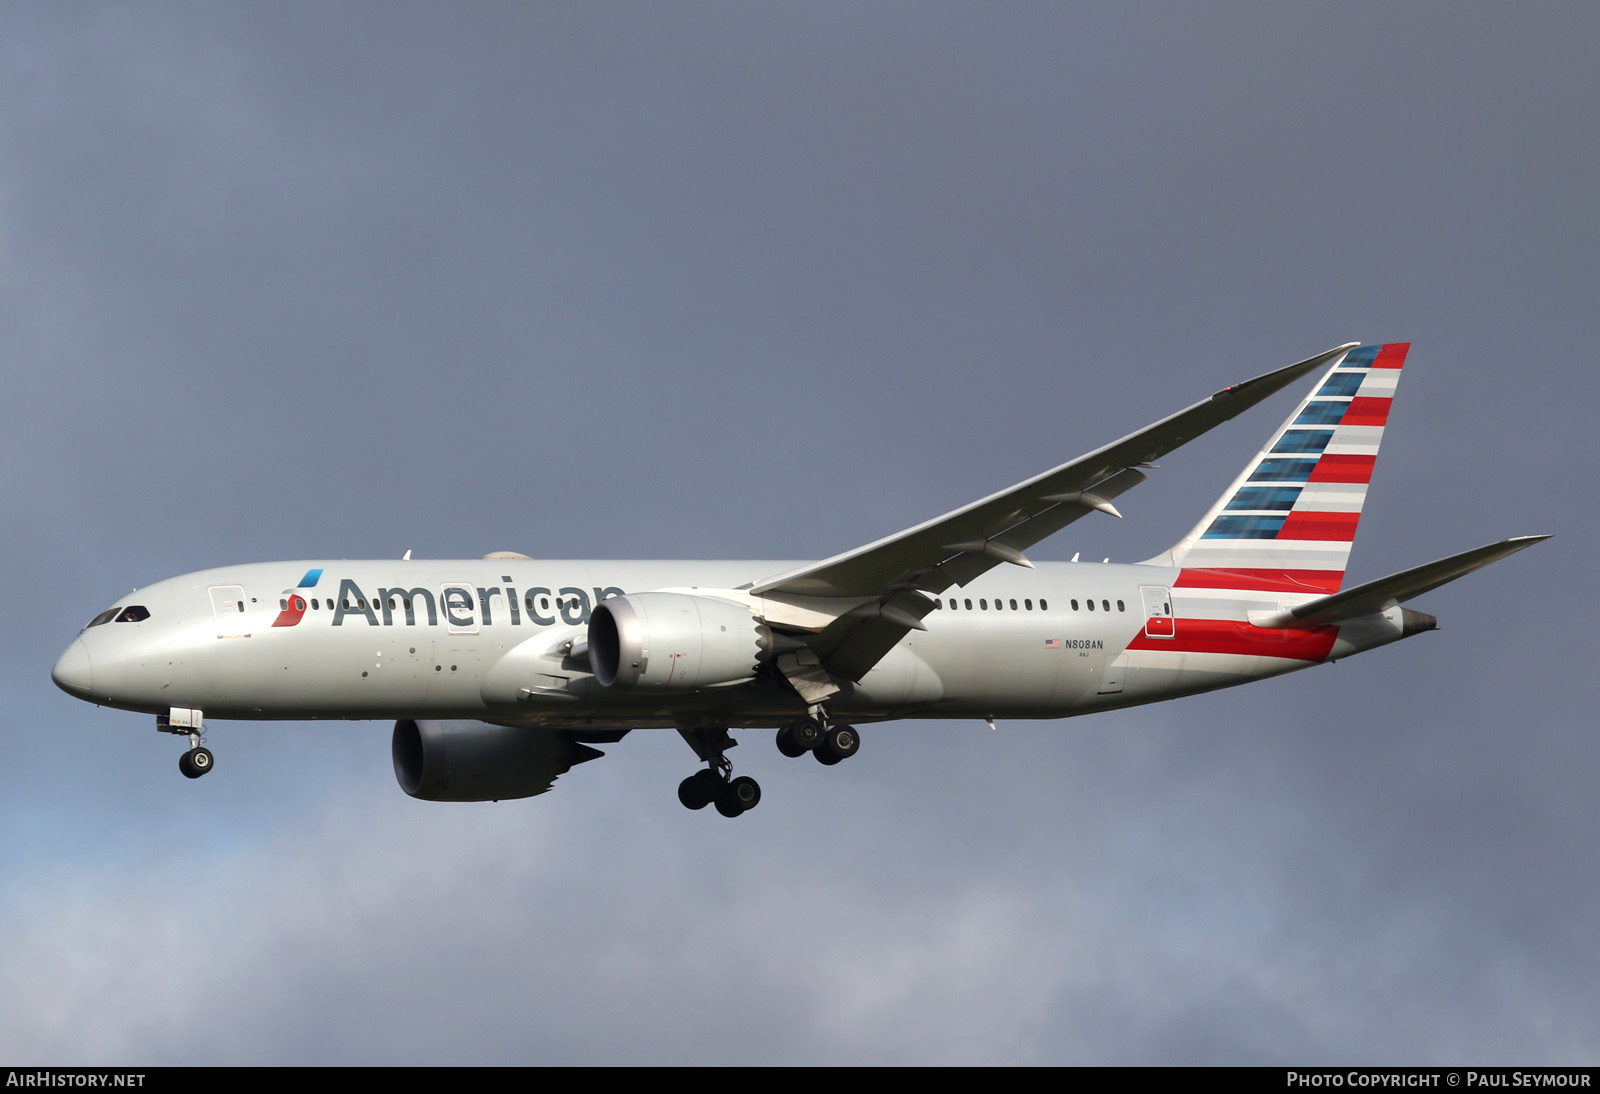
(630, 281)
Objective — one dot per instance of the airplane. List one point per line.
(504, 672)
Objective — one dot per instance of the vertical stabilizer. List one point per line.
(1288, 520)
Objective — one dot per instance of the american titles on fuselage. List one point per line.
(461, 604)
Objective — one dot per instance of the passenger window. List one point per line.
(133, 613)
(283, 604)
(1121, 607)
(1106, 604)
(1043, 605)
(1028, 604)
(1074, 605)
(1090, 603)
(1013, 605)
(969, 605)
(983, 605)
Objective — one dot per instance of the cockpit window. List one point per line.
(104, 617)
(133, 613)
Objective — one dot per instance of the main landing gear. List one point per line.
(716, 785)
(829, 745)
(731, 796)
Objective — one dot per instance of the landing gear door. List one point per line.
(1158, 620)
(227, 604)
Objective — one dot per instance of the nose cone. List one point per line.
(72, 673)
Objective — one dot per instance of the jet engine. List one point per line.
(674, 642)
(462, 761)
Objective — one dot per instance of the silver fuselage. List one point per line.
(493, 640)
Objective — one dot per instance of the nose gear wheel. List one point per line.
(195, 762)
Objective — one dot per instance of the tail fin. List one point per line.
(1288, 520)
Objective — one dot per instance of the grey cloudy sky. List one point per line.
(702, 280)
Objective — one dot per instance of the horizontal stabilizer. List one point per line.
(1386, 592)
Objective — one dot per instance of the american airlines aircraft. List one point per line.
(502, 673)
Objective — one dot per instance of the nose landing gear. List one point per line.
(184, 722)
(195, 762)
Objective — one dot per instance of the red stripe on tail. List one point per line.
(1326, 526)
(1367, 411)
(1392, 355)
(1348, 469)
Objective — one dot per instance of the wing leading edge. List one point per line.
(954, 549)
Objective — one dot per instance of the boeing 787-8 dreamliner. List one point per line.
(502, 673)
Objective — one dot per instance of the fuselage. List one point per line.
(503, 640)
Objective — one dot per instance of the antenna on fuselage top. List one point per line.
(407, 556)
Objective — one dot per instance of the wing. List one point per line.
(894, 572)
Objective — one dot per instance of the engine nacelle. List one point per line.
(674, 642)
(463, 761)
